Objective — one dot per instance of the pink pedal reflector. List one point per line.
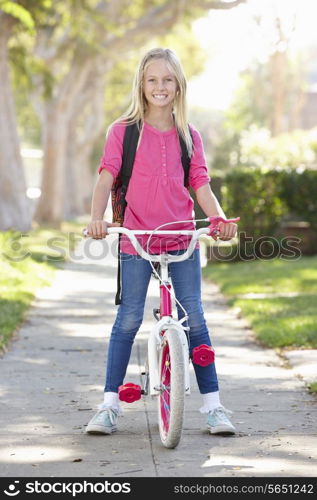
(129, 392)
(203, 355)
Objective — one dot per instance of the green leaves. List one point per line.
(19, 12)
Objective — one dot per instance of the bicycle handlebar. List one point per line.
(212, 230)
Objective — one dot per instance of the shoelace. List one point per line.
(112, 414)
(221, 410)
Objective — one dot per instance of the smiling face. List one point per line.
(159, 84)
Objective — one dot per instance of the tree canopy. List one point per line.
(67, 53)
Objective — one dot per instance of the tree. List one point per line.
(73, 40)
(16, 18)
(272, 90)
(14, 206)
(109, 32)
(271, 93)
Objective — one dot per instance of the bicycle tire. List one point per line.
(172, 395)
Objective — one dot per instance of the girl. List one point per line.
(157, 195)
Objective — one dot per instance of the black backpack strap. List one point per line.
(130, 143)
(117, 300)
(185, 159)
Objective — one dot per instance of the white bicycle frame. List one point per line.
(156, 340)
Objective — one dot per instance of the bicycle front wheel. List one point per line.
(172, 389)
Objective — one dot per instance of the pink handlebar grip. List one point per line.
(203, 355)
(214, 224)
(129, 392)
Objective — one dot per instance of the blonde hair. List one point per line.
(136, 111)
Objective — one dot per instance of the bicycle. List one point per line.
(166, 373)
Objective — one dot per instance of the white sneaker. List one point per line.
(218, 421)
(104, 421)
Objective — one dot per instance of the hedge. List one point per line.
(265, 200)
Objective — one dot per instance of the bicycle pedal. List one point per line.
(156, 313)
(129, 392)
(203, 355)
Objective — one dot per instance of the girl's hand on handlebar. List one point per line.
(227, 231)
(97, 229)
(224, 229)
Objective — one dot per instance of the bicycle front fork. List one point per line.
(202, 355)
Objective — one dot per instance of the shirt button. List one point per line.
(164, 164)
(163, 146)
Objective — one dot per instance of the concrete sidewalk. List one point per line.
(52, 378)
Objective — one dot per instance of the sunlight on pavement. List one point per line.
(34, 361)
(29, 454)
(84, 331)
(251, 465)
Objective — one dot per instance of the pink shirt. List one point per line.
(156, 192)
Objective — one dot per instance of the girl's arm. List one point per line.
(208, 201)
(210, 206)
(97, 228)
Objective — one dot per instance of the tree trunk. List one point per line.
(279, 92)
(279, 65)
(14, 204)
(50, 209)
(86, 126)
(79, 184)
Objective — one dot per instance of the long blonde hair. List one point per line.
(136, 111)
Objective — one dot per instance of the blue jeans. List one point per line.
(186, 280)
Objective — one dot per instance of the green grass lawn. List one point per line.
(27, 263)
(313, 387)
(278, 320)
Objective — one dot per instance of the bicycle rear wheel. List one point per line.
(172, 389)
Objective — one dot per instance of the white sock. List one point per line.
(211, 401)
(111, 399)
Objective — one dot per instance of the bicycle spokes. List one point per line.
(165, 397)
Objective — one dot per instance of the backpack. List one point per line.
(120, 186)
